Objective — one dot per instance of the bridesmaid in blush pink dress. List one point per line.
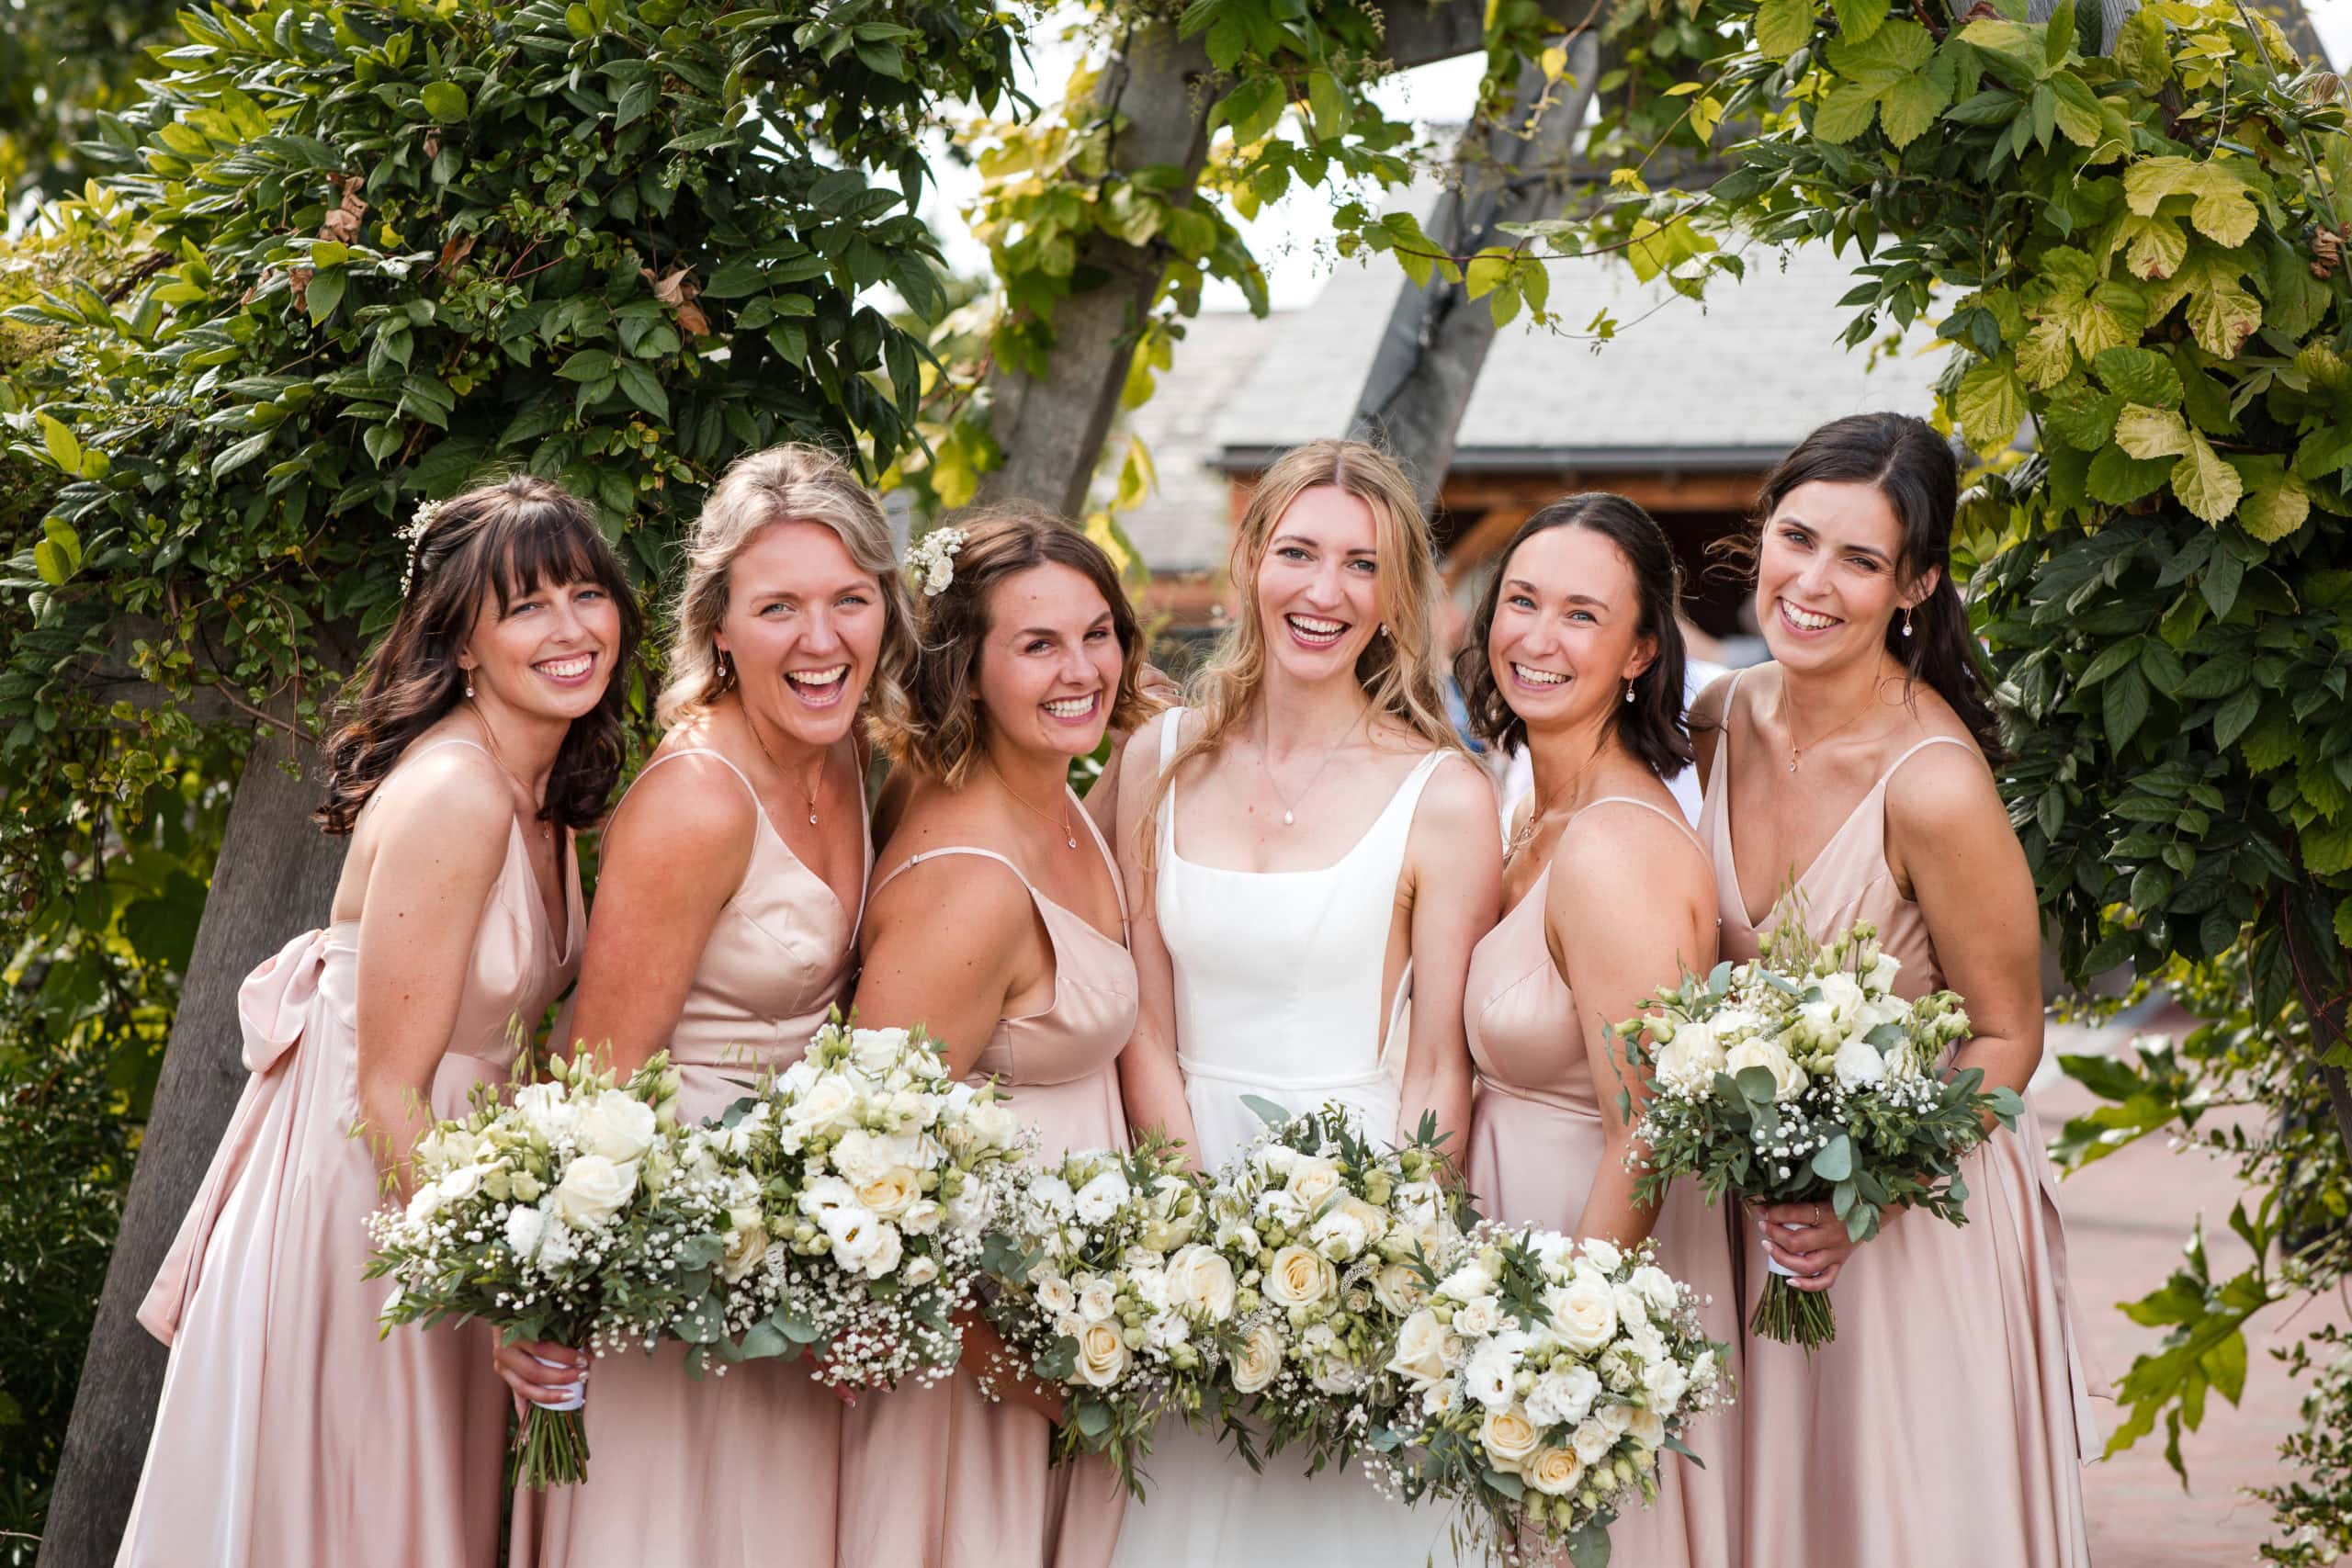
(288, 1433)
(1607, 896)
(1946, 1424)
(726, 926)
(1001, 928)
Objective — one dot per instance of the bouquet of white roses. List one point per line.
(1106, 1292)
(1802, 1077)
(1333, 1243)
(1539, 1380)
(868, 1184)
(569, 1217)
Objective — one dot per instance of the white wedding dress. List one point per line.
(1277, 991)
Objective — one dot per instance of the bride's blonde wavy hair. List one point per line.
(1402, 672)
(792, 483)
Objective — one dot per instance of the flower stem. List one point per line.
(551, 1450)
(1794, 1316)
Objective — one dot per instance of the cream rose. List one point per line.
(1314, 1178)
(1097, 1302)
(1510, 1438)
(1556, 1473)
(1300, 1277)
(593, 1188)
(1101, 1355)
(1420, 1348)
(747, 1247)
(1258, 1360)
(1398, 1288)
(1584, 1314)
(1201, 1281)
(826, 1102)
(890, 1193)
(1788, 1078)
(1648, 1428)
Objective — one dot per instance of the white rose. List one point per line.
(1103, 1197)
(1300, 1277)
(1584, 1314)
(1420, 1348)
(1657, 1288)
(594, 1188)
(1688, 1063)
(1648, 1428)
(992, 1126)
(747, 1246)
(877, 1051)
(545, 1109)
(1591, 1441)
(1312, 1179)
(1858, 1065)
(1398, 1288)
(616, 1126)
(461, 1184)
(1788, 1078)
(919, 1271)
(923, 1217)
(1097, 1302)
(890, 1193)
(523, 1227)
(1843, 993)
(1101, 1355)
(1603, 1254)
(1510, 1438)
(1258, 1360)
(1665, 1382)
(1556, 1473)
(828, 1102)
(1056, 1298)
(1479, 1317)
(1200, 1280)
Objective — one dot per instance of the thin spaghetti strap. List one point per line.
(447, 740)
(915, 860)
(1914, 750)
(1674, 817)
(1723, 734)
(698, 751)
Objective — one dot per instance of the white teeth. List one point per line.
(1314, 627)
(1539, 677)
(1806, 618)
(1072, 707)
(817, 677)
(566, 668)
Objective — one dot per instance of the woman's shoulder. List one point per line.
(691, 798)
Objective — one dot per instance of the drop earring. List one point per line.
(722, 666)
(1906, 620)
(469, 685)
(1629, 690)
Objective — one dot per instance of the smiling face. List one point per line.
(1828, 575)
(1567, 634)
(1049, 667)
(802, 630)
(1319, 585)
(549, 652)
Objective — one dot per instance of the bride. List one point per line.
(1303, 849)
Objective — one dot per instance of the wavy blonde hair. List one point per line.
(1402, 672)
(945, 727)
(791, 483)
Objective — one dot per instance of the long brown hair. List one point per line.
(1402, 672)
(509, 539)
(944, 730)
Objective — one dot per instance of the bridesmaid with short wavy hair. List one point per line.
(728, 900)
(999, 926)
(481, 734)
(1848, 780)
(1575, 651)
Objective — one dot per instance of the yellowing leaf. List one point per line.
(2276, 501)
(2205, 485)
(1991, 404)
(2154, 248)
(1487, 269)
(2219, 203)
(2145, 432)
(1658, 247)
(1555, 66)
(2221, 314)
(2044, 357)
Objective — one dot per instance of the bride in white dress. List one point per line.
(1304, 849)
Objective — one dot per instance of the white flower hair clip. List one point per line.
(932, 561)
(411, 534)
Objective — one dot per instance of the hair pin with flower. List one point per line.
(411, 534)
(932, 560)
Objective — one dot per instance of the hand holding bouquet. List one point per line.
(568, 1215)
(1803, 1078)
(1333, 1243)
(1107, 1293)
(1539, 1380)
(863, 1184)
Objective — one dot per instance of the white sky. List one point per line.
(1283, 236)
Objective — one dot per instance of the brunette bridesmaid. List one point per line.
(481, 733)
(1848, 780)
(727, 909)
(1574, 650)
(999, 926)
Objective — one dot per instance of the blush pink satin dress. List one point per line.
(940, 1477)
(1947, 1424)
(737, 1470)
(1537, 1144)
(289, 1433)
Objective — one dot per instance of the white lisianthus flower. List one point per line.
(1338, 1234)
(1658, 1288)
(1564, 1397)
(1591, 1440)
(1584, 1314)
(919, 1272)
(616, 1126)
(1858, 1065)
(1276, 1160)
(1477, 1317)
(1509, 1439)
(1556, 1473)
(1665, 1382)
(887, 1250)
(856, 1235)
(1420, 1348)
(1103, 1197)
(1468, 1282)
(1258, 1360)
(1098, 1302)
(1280, 1207)
(1880, 977)
(545, 1109)
(826, 1194)
(1688, 1064)
(1788, 1078)
(1052, 1194)
(877, 1051)
(1300, 1277)
(1602, 1254)
(1614, 1420)
(1200, 1280)
(594, 1188)
(923, 1217)
(524, 1228)
(1440, 1398)
(459, 1184)
(827, 1102)
(1489, 1377)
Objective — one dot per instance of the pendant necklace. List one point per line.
(1796, 752)
(1069, 834)
(546, 829)
(752, 725)
(1289, 816)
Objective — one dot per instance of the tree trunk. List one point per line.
(275, 876)
(1437, 337)
(1050, 429)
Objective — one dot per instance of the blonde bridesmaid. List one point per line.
(1575, 652)
(481, 734)
(727, 909)
(1846, 780)
(1001, 926)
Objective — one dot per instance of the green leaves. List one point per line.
(1783, 27)
(1893, 73)
(1991, 404)
(445, 102)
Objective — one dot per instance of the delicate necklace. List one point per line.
(546, 829)
(1536, 811)
(756, 740)
(1069, 834)
(1288, 815)
(1796, 752)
